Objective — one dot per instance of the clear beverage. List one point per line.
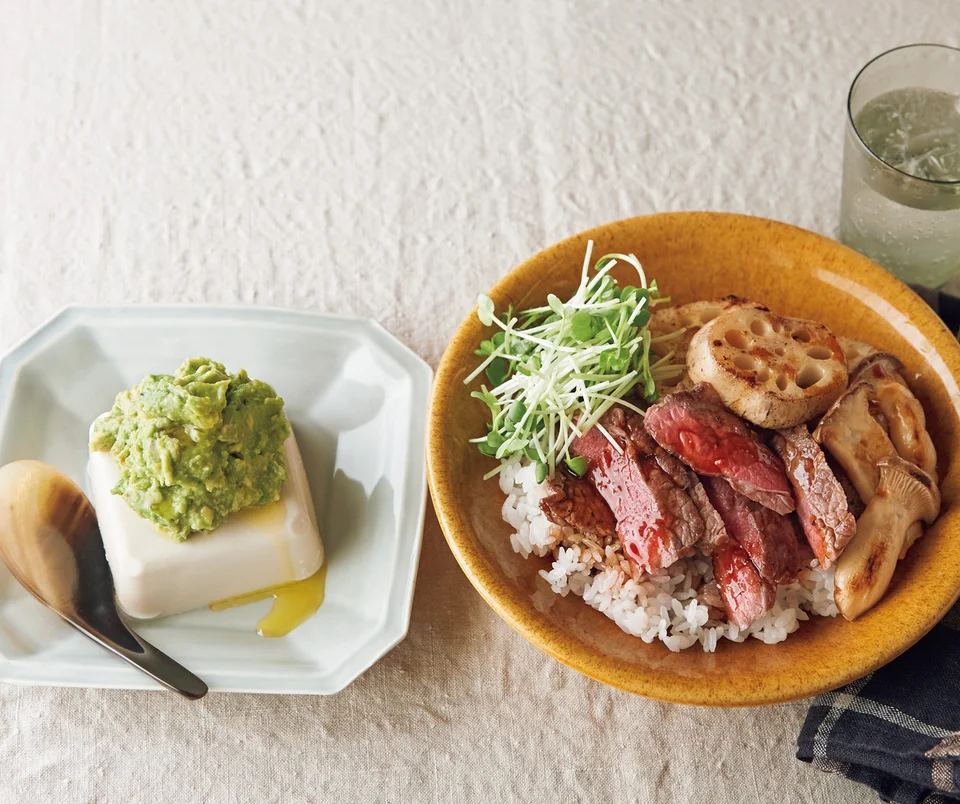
(915, 130)
(900, 203)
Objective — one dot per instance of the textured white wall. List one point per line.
(392, 160)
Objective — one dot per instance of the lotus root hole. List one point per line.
(686, 321)
(819, 353)
(708, 315)
(782, 382)
(780, 351)
(801, 335)
(745, 362)
(763, 374)
(736, 339)
(759, 327)
(809, 375)
(777, 326)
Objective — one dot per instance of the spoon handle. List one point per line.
(141, 654)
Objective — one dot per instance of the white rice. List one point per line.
(679, 605)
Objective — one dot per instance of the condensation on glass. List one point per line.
(900, 202)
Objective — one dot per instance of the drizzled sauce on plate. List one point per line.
(293, 603)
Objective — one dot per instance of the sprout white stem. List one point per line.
(564, 365)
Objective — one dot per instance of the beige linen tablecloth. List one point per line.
(392, 160)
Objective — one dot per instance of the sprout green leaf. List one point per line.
(541, 472)
(485, 310)
(497, 371)
(577, 465)
(557, 368)
(583, 327)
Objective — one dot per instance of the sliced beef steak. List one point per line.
(768, 538)
(656, 520)
(573, 501)
(715, 532)
(806, 551)
(746, 596)
(696, 427)
(821, 501)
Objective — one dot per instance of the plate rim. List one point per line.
(393, 628)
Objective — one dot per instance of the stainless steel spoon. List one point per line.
(50, 541)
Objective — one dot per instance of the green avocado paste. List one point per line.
(194, 447)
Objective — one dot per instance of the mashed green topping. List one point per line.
(196, 446)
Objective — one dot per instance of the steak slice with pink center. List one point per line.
(657, 521)
(746, 596)
(821, 501)
(715, 532)
(768, 538)
(696, 427)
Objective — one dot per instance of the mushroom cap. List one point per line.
(877, 366)
(897, 409)
(855, 438)
(914, 488)
(852, 398)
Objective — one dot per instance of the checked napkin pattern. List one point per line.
(898, 729)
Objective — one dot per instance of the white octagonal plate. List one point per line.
(357, 399)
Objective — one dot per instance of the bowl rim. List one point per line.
(487, 578)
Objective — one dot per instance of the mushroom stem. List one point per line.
(914, 532)
(905, 495)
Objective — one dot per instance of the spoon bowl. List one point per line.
(51, 543)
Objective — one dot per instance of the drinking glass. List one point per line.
(900, 202)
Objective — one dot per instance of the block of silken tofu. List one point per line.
(254, 548)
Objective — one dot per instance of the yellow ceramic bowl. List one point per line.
(701, 256)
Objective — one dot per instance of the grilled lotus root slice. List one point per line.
(687, 319)
(775, 372)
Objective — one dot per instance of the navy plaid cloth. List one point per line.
(898, 729)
